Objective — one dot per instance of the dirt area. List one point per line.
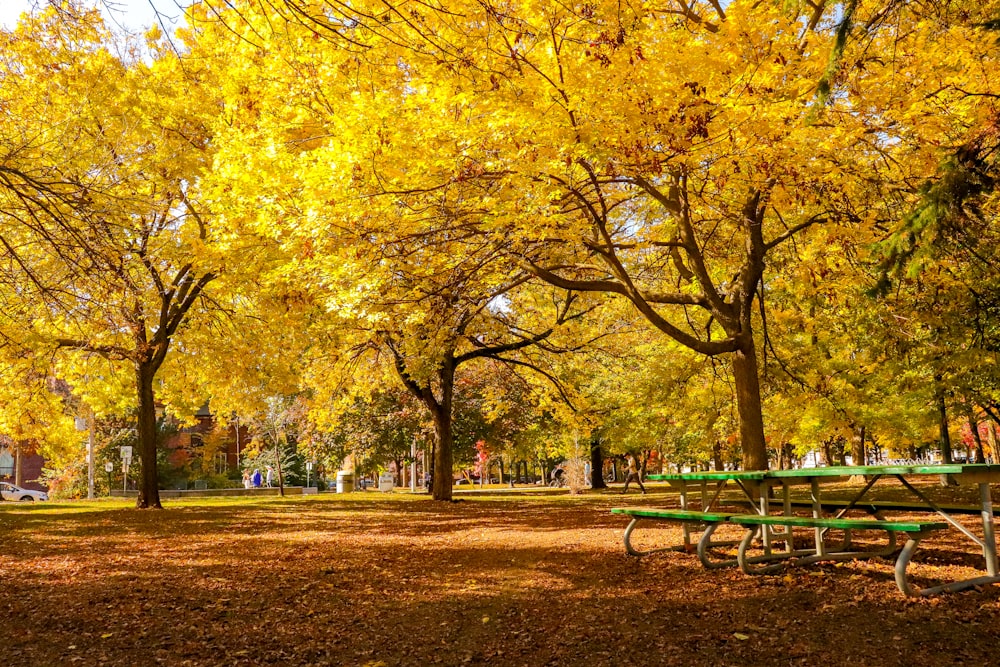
(372, 579)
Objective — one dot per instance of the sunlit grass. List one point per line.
(490, 495)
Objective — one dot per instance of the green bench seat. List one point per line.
(837, 524)
(874, 506)
(915, 531)
(657, 513)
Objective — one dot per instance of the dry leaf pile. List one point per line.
(371, 579)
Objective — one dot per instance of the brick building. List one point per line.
(31, 466)
(180, 445)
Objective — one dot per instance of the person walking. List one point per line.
(256, 478)
(632, 474)
(247, 482)
(270, 476)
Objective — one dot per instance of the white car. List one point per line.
(11, 492)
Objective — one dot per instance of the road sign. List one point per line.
(127, 452)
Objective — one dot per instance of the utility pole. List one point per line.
(413, 465)
(87, 423)
(90, 454)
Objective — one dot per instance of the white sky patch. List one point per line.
(133, 15)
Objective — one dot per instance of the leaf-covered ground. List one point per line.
(393, 579)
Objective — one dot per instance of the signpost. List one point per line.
(126, 462)
(109, 466)
(309, 467)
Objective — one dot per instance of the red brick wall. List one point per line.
(31, 469)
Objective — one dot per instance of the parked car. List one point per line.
(12, 492)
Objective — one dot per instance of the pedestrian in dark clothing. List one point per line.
(632, 474)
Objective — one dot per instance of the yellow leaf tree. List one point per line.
(667, 155)
(106, 253)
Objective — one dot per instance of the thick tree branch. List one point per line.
(795, 229)
(555, 382)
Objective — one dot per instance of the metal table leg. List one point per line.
(989, 537)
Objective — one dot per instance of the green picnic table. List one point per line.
(763, 526)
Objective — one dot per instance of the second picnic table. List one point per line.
(757, 495)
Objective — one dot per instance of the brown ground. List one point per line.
(372, 579)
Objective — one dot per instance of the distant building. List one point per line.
(188, 438)
(31, 466)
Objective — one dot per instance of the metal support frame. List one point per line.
(944, 515)
(989, 536)
(632, 551)
(802, 556)
(704, 542)
(707, 504)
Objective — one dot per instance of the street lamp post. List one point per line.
(309, 467)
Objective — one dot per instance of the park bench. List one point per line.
(915, 531)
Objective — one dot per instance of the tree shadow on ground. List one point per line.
(408, 582)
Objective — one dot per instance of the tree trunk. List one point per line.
(829, 457)
(277, 465)
(717, 455)
(149, 486)
(858, 447)
(946, 456)
(441, 414)
(443, 466)
(431, 467)
(596, 464)
(841, 452)
(787, 456)
(18, 465)
(748, 404)
(974, 427)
